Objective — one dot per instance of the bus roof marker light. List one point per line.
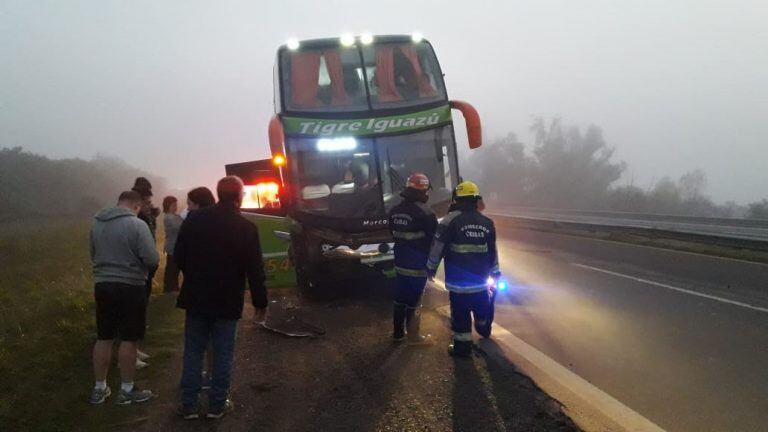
(366, 38)
(292, 44)
(347, 39)
(336, 144)
(417, 37)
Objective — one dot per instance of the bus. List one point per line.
(354, 117)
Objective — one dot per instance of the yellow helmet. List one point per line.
(467, 189)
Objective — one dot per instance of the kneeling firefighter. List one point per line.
(413, 225)
(467, 240)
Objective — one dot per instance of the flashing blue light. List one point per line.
(502, 285)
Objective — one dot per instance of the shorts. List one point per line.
(121, 311)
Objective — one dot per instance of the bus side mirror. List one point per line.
(472, 119)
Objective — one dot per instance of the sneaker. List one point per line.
(134, 396)
(420, 339)
(141, 355)
(189, 412)
(141, 364)
(98, 396)
(217, 412)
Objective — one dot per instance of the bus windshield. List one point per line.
(363, 177)
(350, 79)
(335, 177)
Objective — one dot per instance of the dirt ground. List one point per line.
(354, 378)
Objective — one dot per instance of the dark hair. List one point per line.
(143, 187)
(202, 196)
(230, 189)
(130, 196)
(168, 202)
(142, 183)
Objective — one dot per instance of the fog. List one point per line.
(180, 88)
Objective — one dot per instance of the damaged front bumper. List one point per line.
(367, 254)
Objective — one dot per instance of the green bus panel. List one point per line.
(280, 273)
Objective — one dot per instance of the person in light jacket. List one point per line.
(172, 223)
(122, 254)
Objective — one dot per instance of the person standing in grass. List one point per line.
(172, 223)
(217, 250)
(123, 253)
(147, 213)
(197, 198)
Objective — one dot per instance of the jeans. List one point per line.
(198, 331)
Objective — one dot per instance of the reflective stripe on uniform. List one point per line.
(469, 248)
(463, 337)
(466, 289)
(410, 272)
(405, 235)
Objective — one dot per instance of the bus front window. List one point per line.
(431, 152)
(336, 178)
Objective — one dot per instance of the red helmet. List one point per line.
(418, 181)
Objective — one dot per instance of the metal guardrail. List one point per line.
(698, 220)
(752, 239)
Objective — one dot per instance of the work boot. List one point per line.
(413, 324)
(461, 349)
(398, 320)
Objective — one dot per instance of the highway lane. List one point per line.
(628, 319)
(723, 230)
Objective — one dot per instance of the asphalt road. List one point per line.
(721, 229)
(680, 338)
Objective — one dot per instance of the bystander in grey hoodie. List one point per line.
(122, 248)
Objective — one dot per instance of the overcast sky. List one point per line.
(182, 87)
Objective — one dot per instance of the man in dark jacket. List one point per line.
(148, 213)
(467, 240)
(217, 250)
(413, 224)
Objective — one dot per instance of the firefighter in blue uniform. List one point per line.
(467, 241)
(413, 225)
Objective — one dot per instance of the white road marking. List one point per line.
(539, 366)
(674, 288)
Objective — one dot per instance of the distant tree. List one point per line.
(758, 210)
(664, 197)
(33, 185)
(573, 169)
(502, 169)
(692, 184)
(628, 199)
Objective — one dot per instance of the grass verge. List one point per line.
(47, 328)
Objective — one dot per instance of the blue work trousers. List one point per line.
(464, 307)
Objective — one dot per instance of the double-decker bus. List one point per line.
(354, 117)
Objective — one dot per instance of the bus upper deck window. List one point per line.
(323, 79)
(404, 74)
